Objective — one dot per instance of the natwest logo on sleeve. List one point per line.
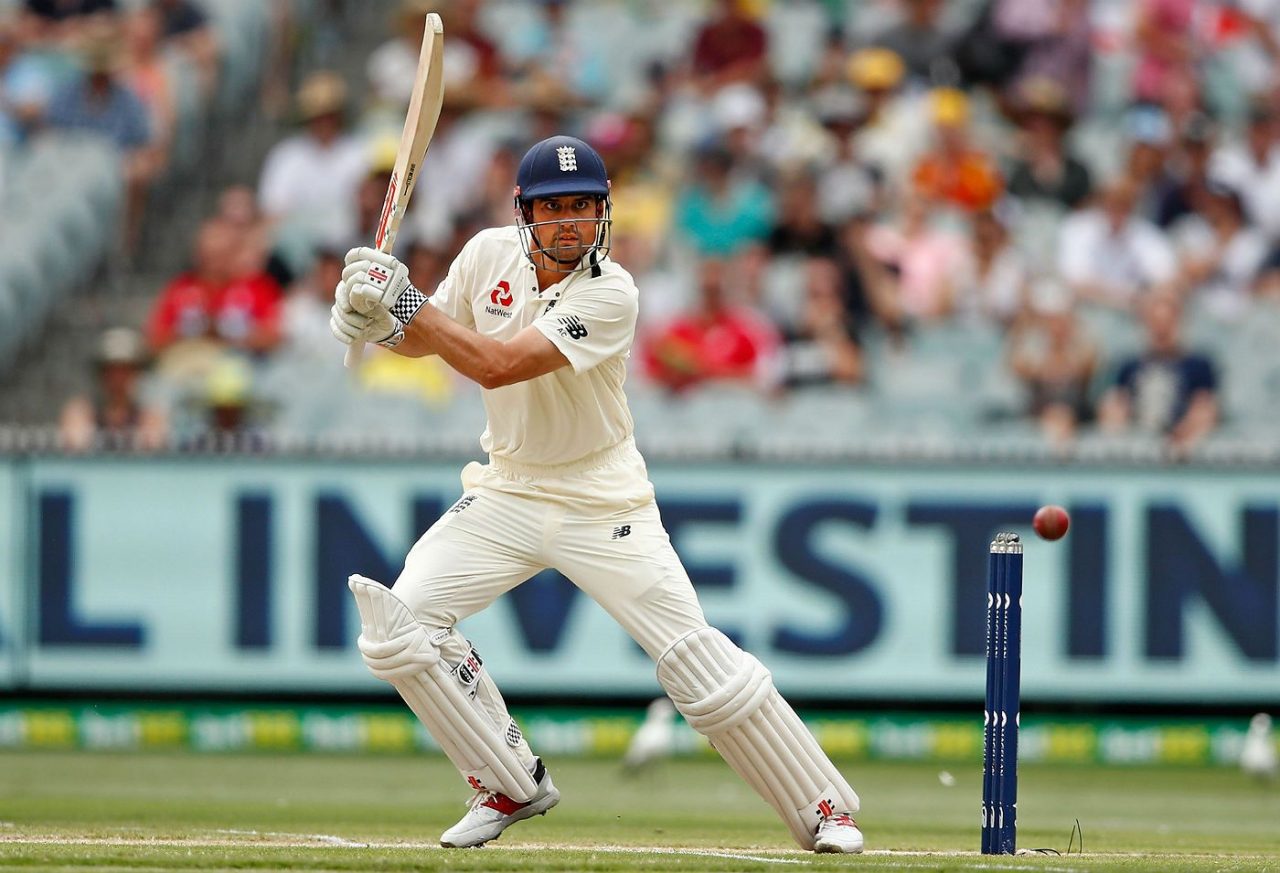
(501, 299)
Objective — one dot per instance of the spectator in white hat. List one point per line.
(113, 415)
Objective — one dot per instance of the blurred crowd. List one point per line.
(1081, 195)
(95, 66)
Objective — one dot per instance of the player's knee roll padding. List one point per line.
(728, 695)
(739, 688)
(397, 648)
(405, 655)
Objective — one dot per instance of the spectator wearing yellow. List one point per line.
(896, 128)
(955, 172)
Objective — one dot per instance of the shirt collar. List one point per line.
(555, 291)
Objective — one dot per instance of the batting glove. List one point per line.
(375, 277)
(359, 319)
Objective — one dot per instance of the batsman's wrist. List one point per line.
(395, 337)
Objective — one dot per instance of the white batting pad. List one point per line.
(397, 648)
(728, 695)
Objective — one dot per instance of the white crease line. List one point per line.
(319, 838)
(613, 847)
(279, 839)
(637, 850)
(640, 850)
(1037, 869)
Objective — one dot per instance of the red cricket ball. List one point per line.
(1051, 522)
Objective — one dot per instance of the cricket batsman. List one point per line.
(543, 320)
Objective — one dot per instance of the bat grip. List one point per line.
(386, 238)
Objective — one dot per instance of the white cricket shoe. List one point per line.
(491, 813)
(838, 833)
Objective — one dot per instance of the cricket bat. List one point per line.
(419, 125)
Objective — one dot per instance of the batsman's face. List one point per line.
(566, 226)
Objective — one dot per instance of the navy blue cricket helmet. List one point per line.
(555, 167)
(561, 165)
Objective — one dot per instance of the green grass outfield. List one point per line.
(162, 811)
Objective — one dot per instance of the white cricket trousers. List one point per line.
(595, 521)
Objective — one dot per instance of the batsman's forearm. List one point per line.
(414, 345)
(479, 358)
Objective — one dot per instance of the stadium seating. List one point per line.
(63, 194)
(57, 213)
(59, 197)
(1250, 377)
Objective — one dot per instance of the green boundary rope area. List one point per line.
(601, 732)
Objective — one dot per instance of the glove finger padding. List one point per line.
(382, 270)
(356, 269)
(366, 298)
(373, 256)
(341, 331)
(348, 326)
(376, 326)
(359, 278)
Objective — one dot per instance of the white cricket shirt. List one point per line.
(574, 411)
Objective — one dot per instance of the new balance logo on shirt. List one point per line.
(573, 327)
(463, 502)
(620, 532)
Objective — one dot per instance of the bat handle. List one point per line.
(383, 240)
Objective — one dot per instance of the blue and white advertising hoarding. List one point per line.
(11, 602)
(848, 581)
